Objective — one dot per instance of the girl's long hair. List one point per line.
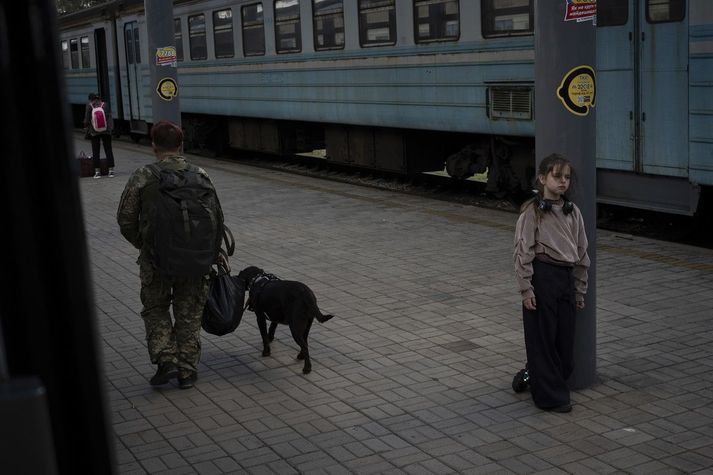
(551, 163)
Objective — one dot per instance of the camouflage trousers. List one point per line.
(176, 341)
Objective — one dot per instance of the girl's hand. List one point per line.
(530, 303)
(580, 304)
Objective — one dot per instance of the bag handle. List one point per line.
(223, 263)
(228, 240)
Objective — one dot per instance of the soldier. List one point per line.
(173, 346)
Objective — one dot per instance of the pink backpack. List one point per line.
(98, 118)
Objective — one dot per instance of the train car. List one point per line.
(415, 85)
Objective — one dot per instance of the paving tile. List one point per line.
(413, 375)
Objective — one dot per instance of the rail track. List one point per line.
(692, 230)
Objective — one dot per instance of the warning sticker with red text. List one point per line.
(580, 10)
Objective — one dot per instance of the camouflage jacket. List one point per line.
(134, 213)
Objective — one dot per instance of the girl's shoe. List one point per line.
(111, 173)
(97, 175)
(521, 381)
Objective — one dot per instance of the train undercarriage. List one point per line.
(508, 163)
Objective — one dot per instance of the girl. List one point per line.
(551, 265)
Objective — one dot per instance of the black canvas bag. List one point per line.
(224, 308)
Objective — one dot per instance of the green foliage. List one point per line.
(69, 6)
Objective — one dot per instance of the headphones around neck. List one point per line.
(546, 205)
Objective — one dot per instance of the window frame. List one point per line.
(74, 55)
(82, 50)
(191, 36)
(489, 12)
(252, 25)
(137, 43)
(178, 38)
(129, 43)
(323, 16)
(440, 39)
(670, 19)
(231, 35)
(363, 27)
(64, 48)
(297, 34)
(617, 20)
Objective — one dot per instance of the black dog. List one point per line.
(282, 301)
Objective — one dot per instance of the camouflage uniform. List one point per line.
(177, 342)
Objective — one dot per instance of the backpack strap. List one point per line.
(154, 169)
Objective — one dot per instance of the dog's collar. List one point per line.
(255, 288)
(262, 277)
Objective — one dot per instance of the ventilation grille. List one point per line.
(508, 102)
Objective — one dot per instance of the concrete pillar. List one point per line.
(565, 97)
(162, 61)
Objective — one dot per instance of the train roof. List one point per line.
(104, 11)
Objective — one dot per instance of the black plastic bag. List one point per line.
(225, 305)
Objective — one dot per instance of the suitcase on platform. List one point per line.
(86, 167)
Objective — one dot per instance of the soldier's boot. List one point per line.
(165, 372)
(187, 379)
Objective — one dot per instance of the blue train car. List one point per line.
(413, 85)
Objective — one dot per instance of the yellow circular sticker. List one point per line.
(167, 89)
(577, 91)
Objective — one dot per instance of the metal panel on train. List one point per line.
(654, 83)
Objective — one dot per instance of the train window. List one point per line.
(178, 38)
(74, 52)
(223, 33)
(662, 11)
(288, 36)
(65, 54)
(129, 43)
(436, 20)
(377, 22)
(196, 37)
(328, 24)
(129, 38)
(507, 17)
(137, 46)
(84, 49)
(253, 30)
(612, 13)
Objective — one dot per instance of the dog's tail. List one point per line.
(323, 318)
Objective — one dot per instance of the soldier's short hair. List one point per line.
(166, 135)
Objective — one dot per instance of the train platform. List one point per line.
(413, 374)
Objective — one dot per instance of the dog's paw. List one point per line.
(265, 352)
(306, 370)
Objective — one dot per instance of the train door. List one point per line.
(133, 70)
(101, 62)
(617, 134)
(664, 88)
(642, 93)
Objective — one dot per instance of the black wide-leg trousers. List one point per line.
(106, 140)
(549, 334)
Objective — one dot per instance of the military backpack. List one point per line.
(187, 223)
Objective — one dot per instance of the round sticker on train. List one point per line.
(577, 91)
(167, 89)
